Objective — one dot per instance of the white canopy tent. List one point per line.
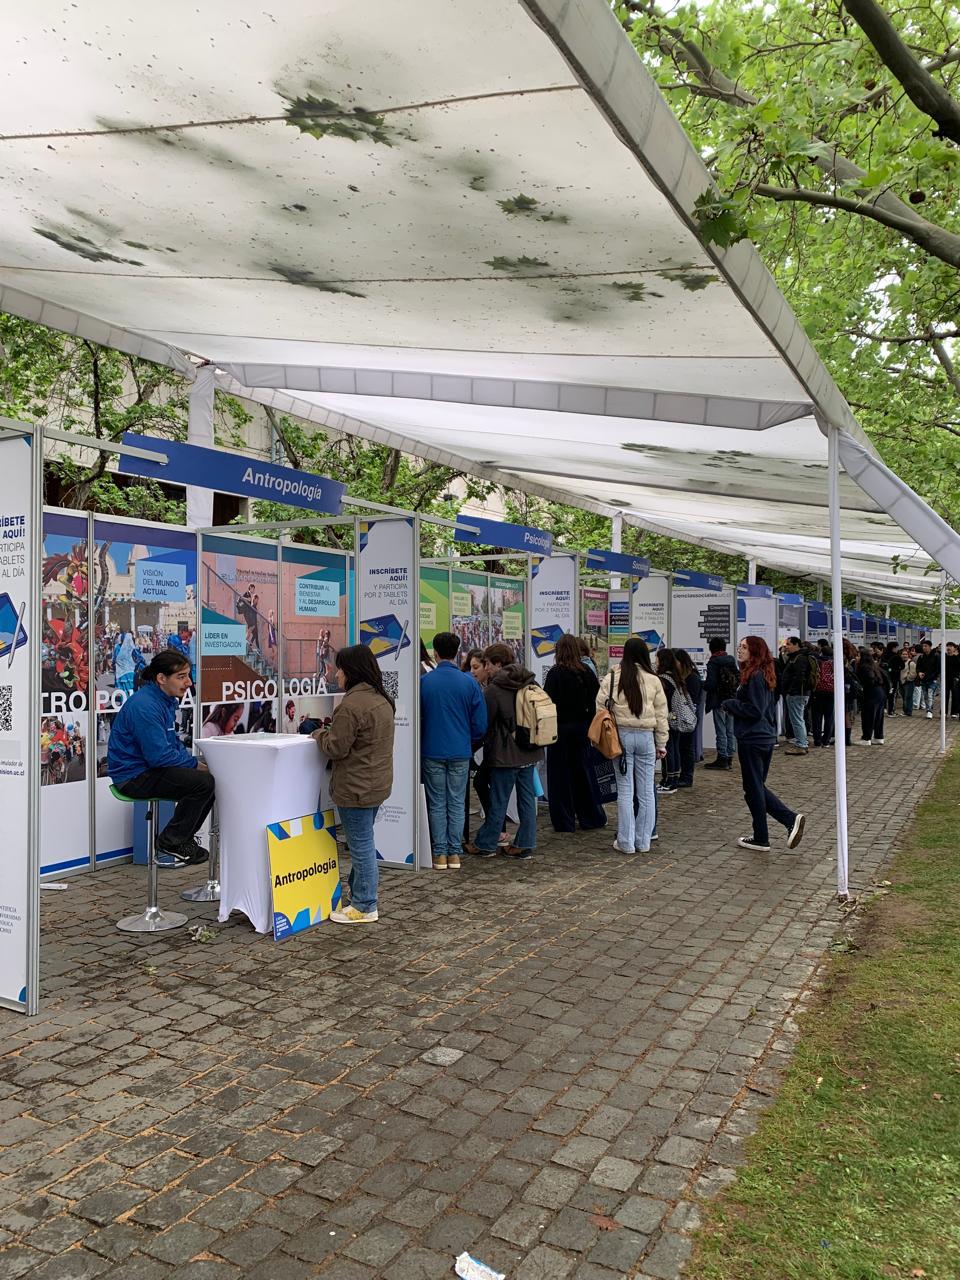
(465, 230)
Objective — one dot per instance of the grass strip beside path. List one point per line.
(854, 1172)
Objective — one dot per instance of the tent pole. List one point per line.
(943, 662)
(616, 544)
(751, 571)
(839, 702)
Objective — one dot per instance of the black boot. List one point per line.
(728, 762)
(719, 763)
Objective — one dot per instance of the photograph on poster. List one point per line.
(239, 593)
(434, 603)
(595, 622)
(220, 719)
(314, 615)
(470, 609)
(506, 601)
(63, 749)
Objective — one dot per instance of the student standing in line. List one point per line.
(821, 701)
(873, 699)
(952, 691)
(359, 741)
(928, 676)
(639, 706)
(723, 676)
(892, 663)
(688, 738)
(755, 725)
(573, 687)
(669, 674)
(908, 680)
(453, 717)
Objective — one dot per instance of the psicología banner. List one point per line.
(388, 594)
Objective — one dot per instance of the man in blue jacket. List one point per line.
(453, 719)
(146, 759)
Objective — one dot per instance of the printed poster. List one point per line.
(757, 616)
(434, 604)
(594, 630)
(618, 624)
(649, 611)
(388, 583)
(470, 609)
(553, 608)
(699, 614)
(507, 610)
(314, 622)
(304, 872)
(17, 715)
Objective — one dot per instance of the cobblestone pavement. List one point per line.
(243, 1108)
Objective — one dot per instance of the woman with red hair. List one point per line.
(755, 727)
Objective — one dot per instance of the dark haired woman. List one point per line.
(755, 727)
(573, 688)
(874, 687)
(686, 742)
(222, 720)
(668, 670)
(639, 706)
(146, 760)
(359, 741)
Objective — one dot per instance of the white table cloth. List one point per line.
(261, 778)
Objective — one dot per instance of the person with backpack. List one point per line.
(755, 724)
(681, 717)
(892, 664)
(821, 703)
(908, 680)
(635, 698)
(723, 676)
(798, 681)
(693, 687)
(573, 687)
(521, 720)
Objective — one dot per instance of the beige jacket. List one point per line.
(654, 716)
(360, 744)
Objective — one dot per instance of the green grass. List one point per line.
(857, 1177)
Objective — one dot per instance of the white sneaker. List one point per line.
(350, 915)
(863, 742)
(878, 742)
(929, 715)
(796, 831)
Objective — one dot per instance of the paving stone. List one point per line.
(612, 1172)
(642, 1213)
(75, 1264)
(544, 1263)
(581, 1153)
(442, 1056)
(667, 1258)
(681, 1151)
(107, 1206)
(180, 1243)
(227, 1210)
(418, 1207)
(57, 1234)
(377, 1245)
(619, 1250)
(552, 1188)
(521, 1224)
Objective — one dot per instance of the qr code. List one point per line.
(6, 708)
(391, 682)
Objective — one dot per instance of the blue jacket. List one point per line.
(754, 712)
(143, 736)
(453, 714)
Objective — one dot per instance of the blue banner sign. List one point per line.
(494, 533)
(757, 589)
(787, 598)
(705, 581)
(615, 562)
(189, 464)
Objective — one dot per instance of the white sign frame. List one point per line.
(20, 947)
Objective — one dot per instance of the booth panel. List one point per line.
(64, 714)
(434, 603)
(790, 621)
(758, 616)
(239, 639)
(698, 614)
(554, 582)
(650, 611)
(619, 608)
(818, 623)
(314, 624)
(507, 598)
(145, 600)
(470, 608)
(593, 611)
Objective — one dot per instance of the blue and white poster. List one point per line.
(649, 610)
(553, 608)
(17, 716)
(388, 592)
(757, 614)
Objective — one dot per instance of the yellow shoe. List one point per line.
(350, 915)
(440, 862)
(453, 861)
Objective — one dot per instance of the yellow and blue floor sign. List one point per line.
(304, 872)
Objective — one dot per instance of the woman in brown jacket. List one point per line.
(359, 741)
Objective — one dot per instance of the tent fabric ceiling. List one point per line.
(462, 229)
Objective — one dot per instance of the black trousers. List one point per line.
(822, 714)
(871, 713)
(754, 767)
(687, 753)
(193, 789)
(569, 793)
(481, 785)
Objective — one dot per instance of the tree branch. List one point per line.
(926, 93)
(872, 208)
(946, 364)
(275, 422)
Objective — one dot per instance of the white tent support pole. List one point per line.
(751, 572)
(886, 611)
(857, 601)
(200, 432)
(616, 544)
(839, 707)
(819, 593)
(943, 663)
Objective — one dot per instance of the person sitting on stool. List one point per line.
(147, 761)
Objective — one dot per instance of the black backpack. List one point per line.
(728, 680)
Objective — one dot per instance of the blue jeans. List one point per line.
(364, 873)
(502, 782)
(928, 691)
(639, 749)
(906, 693)
(446, 786)
(796, 705)
(726, 742)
